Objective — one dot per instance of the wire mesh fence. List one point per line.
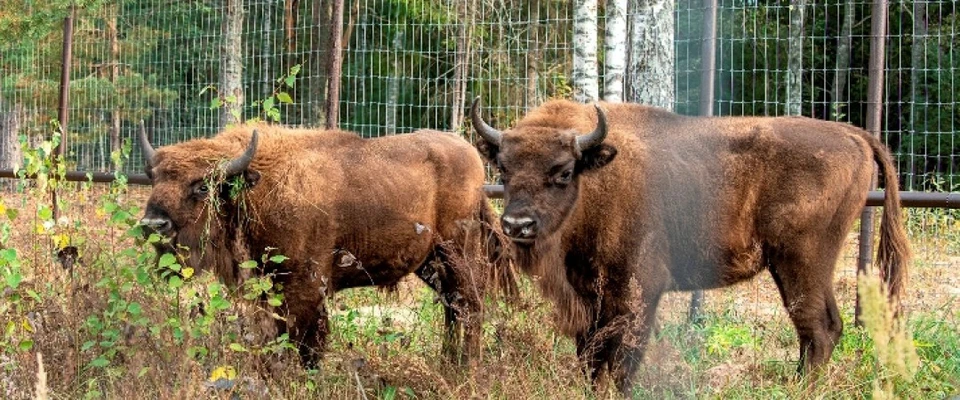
(410, 64)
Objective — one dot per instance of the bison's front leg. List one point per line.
(306, 316)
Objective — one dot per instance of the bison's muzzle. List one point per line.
(519, 228)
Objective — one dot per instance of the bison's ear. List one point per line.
(597, 157)
(487, 150)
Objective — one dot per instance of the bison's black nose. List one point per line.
(162, 226)
(519, 228)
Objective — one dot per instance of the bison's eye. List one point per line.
(564, 177)
(201, 189)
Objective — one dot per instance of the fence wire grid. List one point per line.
(410, 64)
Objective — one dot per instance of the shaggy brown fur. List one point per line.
(346, 211)
(688, 203)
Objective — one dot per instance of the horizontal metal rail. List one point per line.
(82, 176)
(874, 198)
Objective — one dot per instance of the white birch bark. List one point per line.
(585, 71)
(795, 58)
(615, 49)
(651, 64)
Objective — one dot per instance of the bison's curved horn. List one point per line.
(486, 131)
(240, 164)
(596, 137)
(148, 152)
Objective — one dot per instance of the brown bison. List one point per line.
(345, 211)
(611, 206)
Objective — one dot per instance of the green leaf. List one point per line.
(274, 301)
(249, 264)
(237, 347)
(87, 345)
(14, 279)
(100, 362)
(166, 260)
(175, 282)
(8, 255)
(278, 259)
(25, 345)
(268, 103)
(134, 309)
(12, 213)
(284, 98)
(215, 103)
(45, 213)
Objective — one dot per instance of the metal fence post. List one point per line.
(708, 62)
(878, 33)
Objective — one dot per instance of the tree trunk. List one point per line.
(585, 75)
(291, 10)
(917, 95)
(461, 63)
(651, 71)
(10, 123)
(534, 54)
(266, 63)
(843, 61)
(318, 64)
(615, 47)
(114, 69)
(795, 58)
(336, 64)
(231, 65)
(393, 85)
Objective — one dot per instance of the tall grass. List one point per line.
(109, 322)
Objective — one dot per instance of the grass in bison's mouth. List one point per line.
(108, 328)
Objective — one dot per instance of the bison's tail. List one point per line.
(893, 255)
(501, 273)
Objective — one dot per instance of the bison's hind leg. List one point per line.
(806, 288)
(461, 310)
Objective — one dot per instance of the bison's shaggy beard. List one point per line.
(214, 243)
(544, 262)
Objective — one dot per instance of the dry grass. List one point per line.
(105, 331)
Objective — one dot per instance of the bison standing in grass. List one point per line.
(345, 211)
(611, 206)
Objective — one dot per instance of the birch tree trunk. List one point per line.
(795, 58)
(843, 61)
(231, 65)
(651, 65)
(615, 48)
(10, 121)
(585, 74)
(393, 86)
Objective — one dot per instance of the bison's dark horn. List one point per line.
(240, 164)
(596, 137)
(486, 131)
(148, 152)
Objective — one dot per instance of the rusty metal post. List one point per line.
(64, 112)
(336, 65)
(708, 62)
(878, 35)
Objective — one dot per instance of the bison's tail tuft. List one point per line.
(893, 254)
